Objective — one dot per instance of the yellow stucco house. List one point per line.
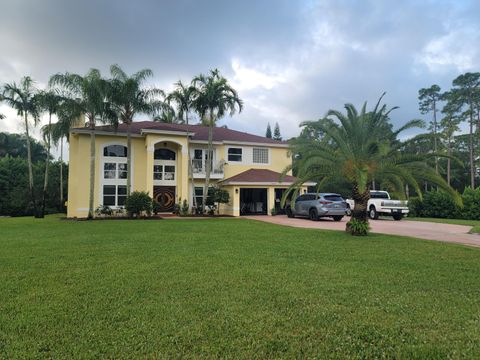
(246, 165)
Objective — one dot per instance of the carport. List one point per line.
(256, 192)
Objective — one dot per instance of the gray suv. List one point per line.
(315, 206)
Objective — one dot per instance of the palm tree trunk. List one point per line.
(471, 156)
(61, 174)
(359, 210)
(129, 157)
(92, 173)
(47, 163)
(208, 165)
(435, 144)
(30, 168)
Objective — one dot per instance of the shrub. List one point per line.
(184, 208)
(415, 207)
(438, 204)
(139, 203)
(471, 204)
(357, 227)
(156, 207)
(215, 197)
(104, 210)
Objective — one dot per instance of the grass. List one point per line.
(475, 224)
(231, 288)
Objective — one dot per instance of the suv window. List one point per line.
(378, 195)
(301, 198)
(333, 198)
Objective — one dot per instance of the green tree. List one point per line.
(428, 102)
(465, 92)
(21, 97)
(276, 133)
(268, 132)
(128, 98)
(182, 96)
(356, 148)
(15, 145)
(213, 99)
(449, 125)
(88, 97)
(49, 102)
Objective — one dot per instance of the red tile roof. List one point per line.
(200, 132)
(259, 176)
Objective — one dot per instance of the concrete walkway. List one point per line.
(420, 229)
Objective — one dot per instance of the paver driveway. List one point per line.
(419, 229)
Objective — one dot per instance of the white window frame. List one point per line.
(241, 155)
(164, 163)
(267, 150)
(204, 157)
(116, 181)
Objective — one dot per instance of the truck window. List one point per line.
(378, 195)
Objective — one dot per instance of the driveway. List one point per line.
(420, 229)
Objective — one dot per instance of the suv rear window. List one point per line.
(333, 198)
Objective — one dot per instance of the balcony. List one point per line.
(199, 170)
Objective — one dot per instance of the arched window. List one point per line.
(164, 154)
(115, 151)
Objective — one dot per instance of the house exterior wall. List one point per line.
(143, 148)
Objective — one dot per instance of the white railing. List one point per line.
(199, 167)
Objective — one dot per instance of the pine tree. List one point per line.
(276, 132)
(268, 133)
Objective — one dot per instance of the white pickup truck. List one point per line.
(380, 203)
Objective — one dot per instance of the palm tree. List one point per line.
(88, 97)
(213, 98)
(48, 101)
(182, 96)
(356, 147)
(128, 98)
(21, 97)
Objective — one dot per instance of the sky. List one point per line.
(290, 61)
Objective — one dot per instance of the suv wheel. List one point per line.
(290, 212)
(372, 213)
(337, 217)
(348, 211)
(313, 214)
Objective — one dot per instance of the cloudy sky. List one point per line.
(290, 60)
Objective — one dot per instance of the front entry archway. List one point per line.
(165, 197)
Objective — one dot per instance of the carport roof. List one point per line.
(261, 177)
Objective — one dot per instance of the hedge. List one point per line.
(438, 204)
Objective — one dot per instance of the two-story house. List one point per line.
(246, 165)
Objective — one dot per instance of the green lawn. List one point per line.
(231, 288)
(474, 223)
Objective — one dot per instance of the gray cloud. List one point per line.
(291, 61)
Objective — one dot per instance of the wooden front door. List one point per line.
(165, 196)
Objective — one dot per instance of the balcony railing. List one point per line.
(199, 168)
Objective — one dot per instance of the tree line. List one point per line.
(112, 101)
(449, 110)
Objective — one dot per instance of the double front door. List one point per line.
(165, 197)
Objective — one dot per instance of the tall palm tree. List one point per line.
(88, 96)
(48, 101)
(183, 96)
(129, 97)
(21, 97)
(213, 98)
(357, 148)
(58, 132)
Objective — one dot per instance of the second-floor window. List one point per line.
(235, 154)
(260, 156)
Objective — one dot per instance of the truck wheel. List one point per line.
(337, 218)
(290, 212)
(313, 214)
(397, 217)
(372, 213)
